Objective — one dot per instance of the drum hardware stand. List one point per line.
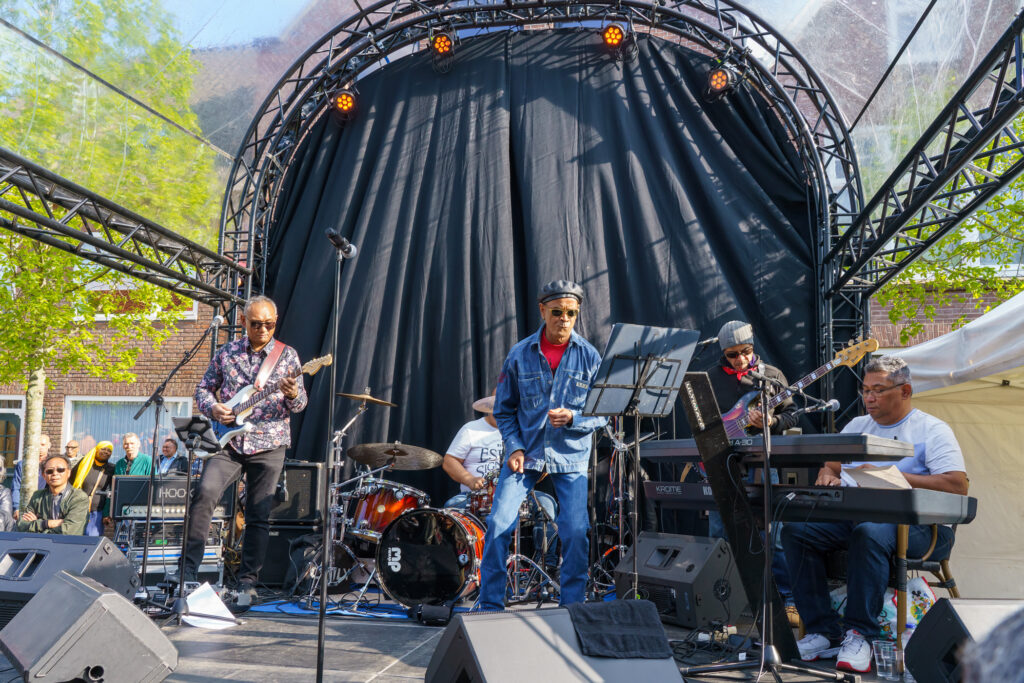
(514, 566)
(156, 399)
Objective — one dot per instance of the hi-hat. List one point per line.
(368, 399)
(400, 456)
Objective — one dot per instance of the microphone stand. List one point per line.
(157, 400)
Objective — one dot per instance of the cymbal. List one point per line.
(399, 455)
(369, 399)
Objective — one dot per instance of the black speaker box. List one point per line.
(692, 580)
(278, 560)
(933, 653)
(77, 629)
(28, 561)
(533, 645)
(302, 482)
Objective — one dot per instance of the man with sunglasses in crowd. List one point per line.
(59, 508)
(260, 360)
(731, 380)
(542, 388)
(937, 464)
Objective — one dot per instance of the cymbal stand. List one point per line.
(515, 564)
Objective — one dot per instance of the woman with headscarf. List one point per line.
(93, 475)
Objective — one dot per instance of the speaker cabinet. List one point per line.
(28, 561)
(302, 482)
(533, 645)
(933, 653)
(76, 629)
(278, 558)
(692, 580)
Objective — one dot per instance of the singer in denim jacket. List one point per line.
(541, 392)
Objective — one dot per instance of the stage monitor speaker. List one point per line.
(28, 561)
(533, 645)
(301, 481)
(77, 629)
(692, 580)
(278, 559)
(933, 653)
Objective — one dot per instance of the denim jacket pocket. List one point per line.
(532, 391)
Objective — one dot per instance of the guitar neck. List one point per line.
(264, 392)
(800, 384)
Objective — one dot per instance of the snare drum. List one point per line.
(431, 556)
(378, 503)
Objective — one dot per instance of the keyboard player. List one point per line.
(937, 464)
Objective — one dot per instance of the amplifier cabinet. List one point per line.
(302, 482)
(131, 495)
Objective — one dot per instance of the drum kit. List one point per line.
(422, 554)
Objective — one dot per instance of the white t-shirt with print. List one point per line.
(479, 446)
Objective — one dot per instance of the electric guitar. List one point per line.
(248, 397)
(737, 420)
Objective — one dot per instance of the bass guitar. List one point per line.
(248, 397)
(737, 420)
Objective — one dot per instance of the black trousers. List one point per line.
(262, 471)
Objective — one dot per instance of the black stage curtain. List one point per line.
(537, 157)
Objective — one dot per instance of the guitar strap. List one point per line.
(269, 363)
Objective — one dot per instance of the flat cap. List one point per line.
(560, 289)
(734, 333)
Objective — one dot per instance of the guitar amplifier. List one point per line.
(303, 503)
(131, 495)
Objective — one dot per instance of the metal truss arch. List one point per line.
(365, 41)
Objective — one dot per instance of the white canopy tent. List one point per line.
(973, 378)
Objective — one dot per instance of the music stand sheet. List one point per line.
(617, 378)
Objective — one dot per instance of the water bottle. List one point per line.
(907, 676)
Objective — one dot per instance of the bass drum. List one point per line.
(430, 556)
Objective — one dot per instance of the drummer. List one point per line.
(474, 460)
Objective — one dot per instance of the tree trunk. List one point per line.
(33, 430)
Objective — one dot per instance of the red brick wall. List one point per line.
(888, 334)
(150, 369)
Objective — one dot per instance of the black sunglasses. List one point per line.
(749, 351)
(53, 470)
(558, 312)
(269, 324)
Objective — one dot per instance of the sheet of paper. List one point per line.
(204, 600)
(870, 476)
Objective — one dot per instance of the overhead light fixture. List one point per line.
(721, 80)
(621, 42)
(442, 50)
(345, 103)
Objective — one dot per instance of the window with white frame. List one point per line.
(12, 417)
(91, 419)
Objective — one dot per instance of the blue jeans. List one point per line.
(869, 545)
(94, 524)
(780, 572)
(573, 523)
(460, 501)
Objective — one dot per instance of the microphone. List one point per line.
(218, 320)
(346, 248)
(705, 342)
(824, 407)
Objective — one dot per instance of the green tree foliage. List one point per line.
(977, 266)
(65, 120)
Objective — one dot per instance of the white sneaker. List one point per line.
(855, 653)
(816, 646)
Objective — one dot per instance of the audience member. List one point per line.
(170, 461)
(133, 463)
(59, 508)
(6, 508)
(999, 655)
(71, 452)
(94, 475)
(44, 452)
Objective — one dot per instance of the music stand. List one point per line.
(196, 432)
(641, 371)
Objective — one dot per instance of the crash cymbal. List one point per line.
(400, 456)
(369, 399)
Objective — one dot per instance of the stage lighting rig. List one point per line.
(442, 50)
(721, 80)
(620, 41)
(345, 103)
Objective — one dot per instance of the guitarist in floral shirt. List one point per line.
(262, 361)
